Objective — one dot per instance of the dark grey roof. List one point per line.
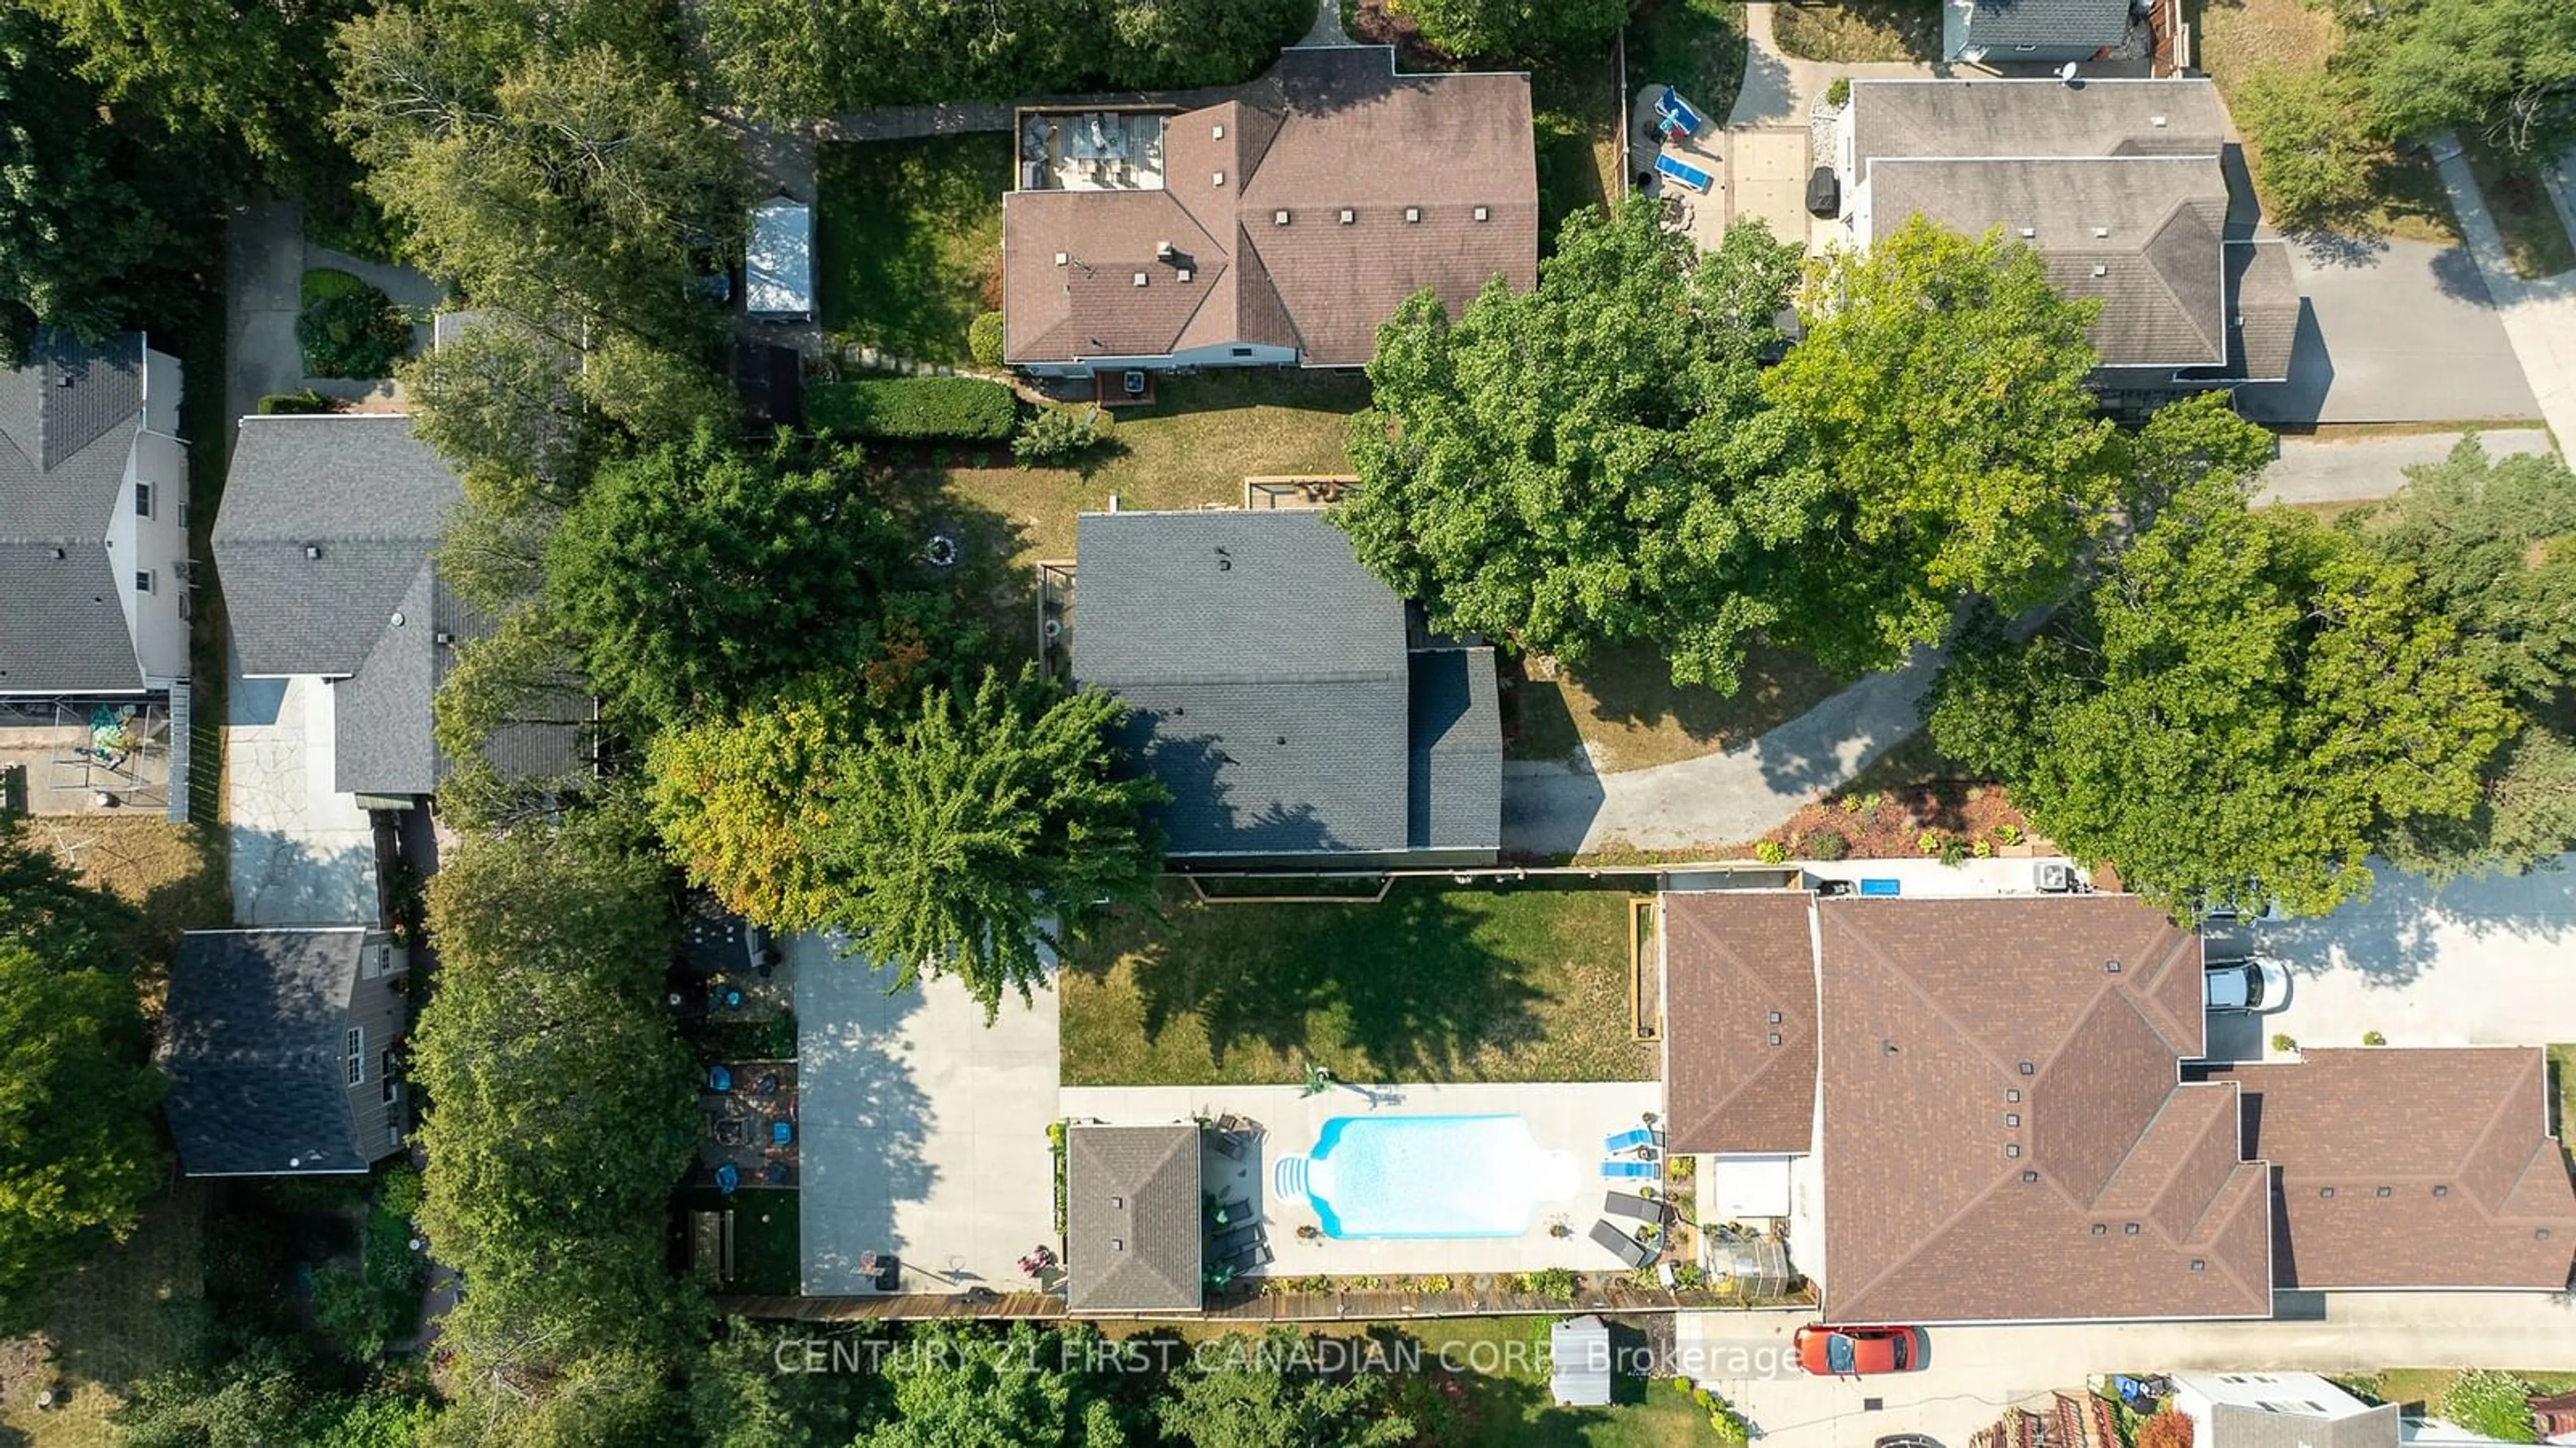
(364, 492)
(2005, 118)
(2233, 1425)
(2263, 326)
(67, 425)
(2139, 234)
(1266, 672)
(2002, 24)
(1132, 1234)
(1457, 754)
(253, 1039)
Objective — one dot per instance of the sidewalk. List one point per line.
(2539, 315)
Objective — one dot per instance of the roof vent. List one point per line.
(2111, 967)
(1349, 216)
(442, 637)
(1061, 258)
(1283, 741)
(2029, 231)
(2027, 1069)
(1484, 213)
(397, 620)
(2029, 1177)
(1775, 1018)
(1216, 133)
(60, 555)
(2101, 1229)
(1220, 178)
(2326, 1192)
(2128, 1229)
(2199, 1264)
(2012, 1148)
(2100, 270)
(2385, 1192)
(2012, 1119)
(2441, 1191)
(1162, 251)
(2101, 231)
(2540, 1234)
(1140, 279)
(2156, 121)
(1413, 213)
(1184, 274)
(2012, 1095)
(1279, 218)
(1775, 1038)
(312, 550)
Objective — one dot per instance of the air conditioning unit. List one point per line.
(2056, 877)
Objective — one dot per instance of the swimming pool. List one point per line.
(1425, 1176)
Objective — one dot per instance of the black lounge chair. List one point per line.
(1236, 1211)
(1227, 1145)
(1630, 1251)
(1228, 1243)
(1621, 1204)
(1253, 1254)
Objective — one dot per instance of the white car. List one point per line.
(2256, 984)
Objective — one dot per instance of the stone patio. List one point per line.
(302, 853)
(1572, 1117)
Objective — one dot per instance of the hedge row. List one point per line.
(965, 408)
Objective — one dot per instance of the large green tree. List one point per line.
(1243, 1393)
(970, 838)
(561, 1100)
(1516, 27)
(2236, 713)
(86, 238)
(2492, 542)
(222, 72)
(964, 1387)
(1593, 462)
(1943, 381)
(77, 1148)
(699, 576)
(2504, 67)
(568, 181)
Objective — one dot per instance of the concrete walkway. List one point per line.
(1725, 798)
(1780, 89)
(2539, 315)
(2343, 470)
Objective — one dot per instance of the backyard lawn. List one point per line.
(1198, 442)
(909, 241)
(1860, 31)
(1623, 703)
(123, 1316)
(1694, 45)
(1525, 983)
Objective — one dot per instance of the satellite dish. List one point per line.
(2066, 72)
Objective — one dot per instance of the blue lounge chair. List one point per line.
(1677, 113)
(1684, 172)
(1629, 1140)
(1629, 1169)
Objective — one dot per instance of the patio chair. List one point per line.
(1251, 1255)
(1226, 1244)
(1227, 1145)
(1632, 1252)
(1631, 1170)
(1629, 1140)
(730, 1131)
(1233, 1214)
(1621, 1204)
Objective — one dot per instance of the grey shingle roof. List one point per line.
(2233, 1425)
(1132, 1233)
(2057, 24)
(2264, 327)
(2139, 234)
(1457, 755)
(1271, 689)
(253, 1041)
(67, 425)
(358, 487)
(1995, 117)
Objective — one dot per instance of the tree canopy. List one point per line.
(1247, 1393)
(699, 577)
(76, 1094)
(2236, 713)
(1591, 462)
(1943, 381)
(966, 838)
(2504, 67)
(1518, 28)
(962, 1388)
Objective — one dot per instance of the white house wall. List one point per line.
(1220, 355)
(161, 385)
(156, 544)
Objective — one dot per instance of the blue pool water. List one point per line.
(1427, 1176)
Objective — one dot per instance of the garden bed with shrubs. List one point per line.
(918, 409)
(1948, 822)
(349, 328)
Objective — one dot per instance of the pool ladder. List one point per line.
(1288, 1179)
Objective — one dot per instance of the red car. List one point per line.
(1837, 1352)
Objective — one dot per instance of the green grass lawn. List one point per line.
(1623, 702)
(1695, 45)
(1576, 110)
(1860, 31)
(2534, 238)
(1526, 983)
(2426, 1385)
(123, 1316)
(909, 240)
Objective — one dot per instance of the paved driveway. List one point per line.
(2487, 961)
(2340, 470)
(2393, 331)
(924, 1129)
(1974, 1372)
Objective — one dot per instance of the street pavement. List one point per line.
(2341, 470)
(1972, 1373)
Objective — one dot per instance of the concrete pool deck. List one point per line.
(1571, 1117)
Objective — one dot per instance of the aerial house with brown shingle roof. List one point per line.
(1739, 978)
(1278, 228)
